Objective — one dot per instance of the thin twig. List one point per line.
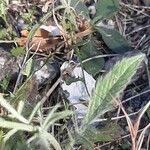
(2, 41)
(130, 7)
(141, 137)
(21, 69)
(135, 6)
(128, 99)
(148, 142)
(141, 28)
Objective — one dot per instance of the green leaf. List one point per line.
(50, 115)
(51, 139)
(108, 133)
(28, 67)
(57, 116)
(5, 82)
(88, 50)
(34, 111)
(9, 134)
(16, 142)
(79, 139)
(24, 91)
(17, 126)
(105, 9)
(9, 108)
(2, 7)
(114, 40)
(18, 51)
(3, 33)
(110, 86)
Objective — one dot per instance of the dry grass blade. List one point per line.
(141, 137)
(136, 144)
(130, 125)
(136, 126)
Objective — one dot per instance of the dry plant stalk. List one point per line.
(134, 127)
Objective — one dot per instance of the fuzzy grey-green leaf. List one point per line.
(110, 86)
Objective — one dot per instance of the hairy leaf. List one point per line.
(51, 139)
(114, 40)
(17, 126)
(79, 139)
(110, 86)
(57, 116)
(108, 133)
(9, 108)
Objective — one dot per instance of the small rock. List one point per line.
(46, 71)
(8, 64)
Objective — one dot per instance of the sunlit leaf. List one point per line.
(111, 85)
(9, 108)
(51, 139)
(18, 51)
(3, 33)
(2, 7)
(16, 125)
(28, 67)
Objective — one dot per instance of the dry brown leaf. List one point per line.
(42, 43)
(42, 40)
(24, 33)
(80, 35)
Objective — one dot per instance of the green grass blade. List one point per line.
(58, 116)
(49, 116)
(34, 111)
(20, 106)
(9, 134)
(51, 139)
(17, 126)
(10, 109)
